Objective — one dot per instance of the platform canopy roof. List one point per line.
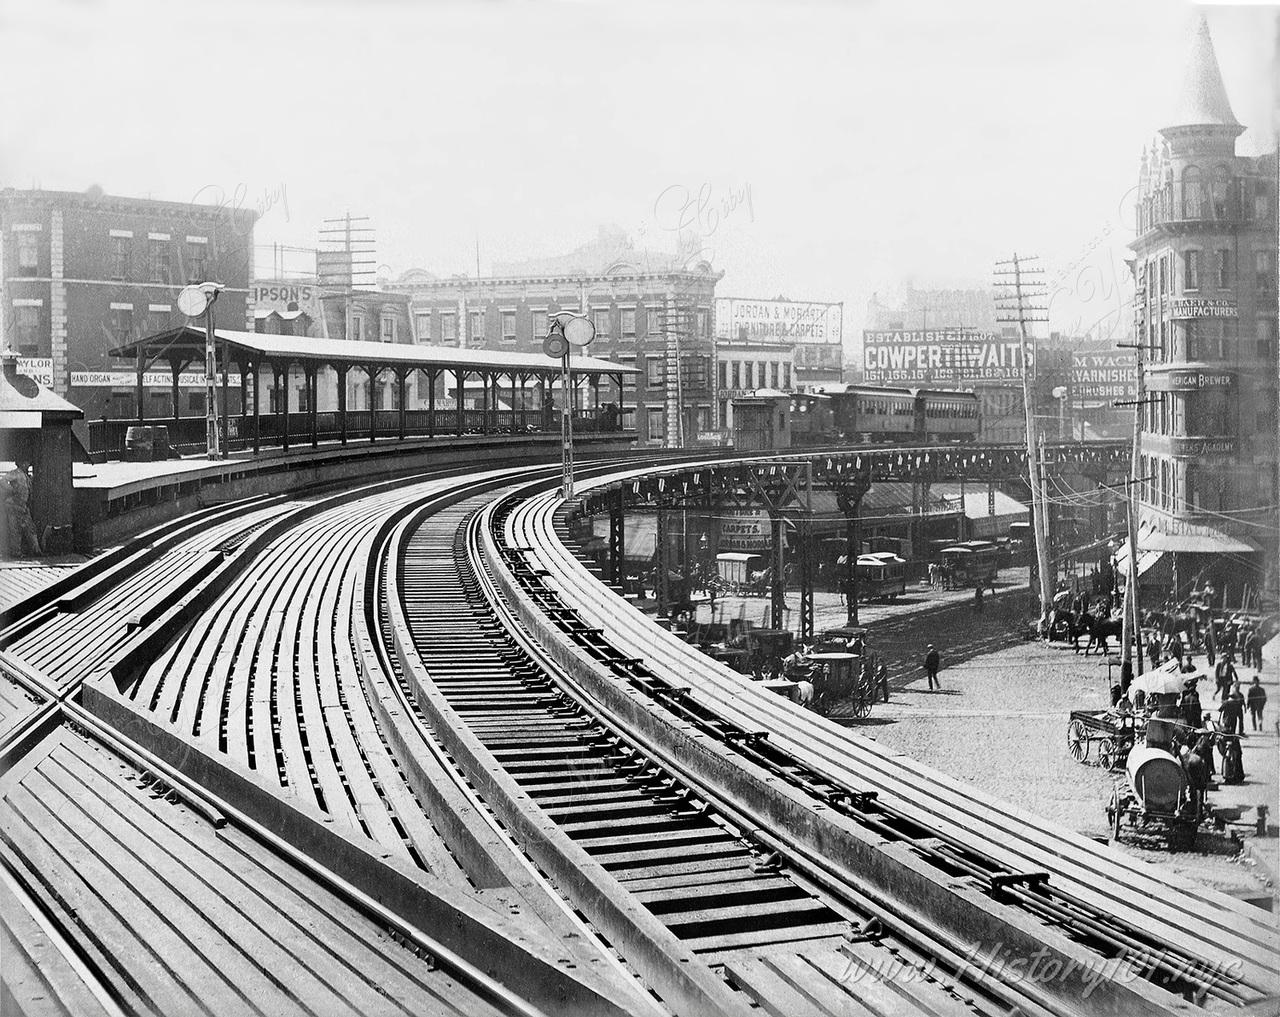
(186, 344)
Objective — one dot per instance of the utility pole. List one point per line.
(1131, 626)
(1014, 305)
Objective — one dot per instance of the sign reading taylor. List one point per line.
(950, 355)
(784, 320)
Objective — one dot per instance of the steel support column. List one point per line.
(459, 377)
(256, 368)
(176, 369)
(312, 414)
(617, 537)
(849, 498)
(778, 592)
(342, 404)
(373, 373)
(400, 379)
(431, 403)
(282, 404)
(804, 535)
(661, 591)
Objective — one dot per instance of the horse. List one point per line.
(1101, 630)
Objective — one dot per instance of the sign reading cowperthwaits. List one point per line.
(778, 321)
(948, 356)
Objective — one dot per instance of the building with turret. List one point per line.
(1205, 272)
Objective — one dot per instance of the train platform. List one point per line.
(113, 500)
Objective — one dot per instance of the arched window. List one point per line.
(1221, 191)
(1191, 193)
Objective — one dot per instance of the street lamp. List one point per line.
(193, 301)
(567, 331)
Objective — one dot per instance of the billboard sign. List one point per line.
(284, 296)
(957, 356)
(129, 379)
(743, 529)
(38, 369)
(1196, 307)
(779, 321)
(1103, 377)
(819, 357)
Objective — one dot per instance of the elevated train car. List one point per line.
(866, 413)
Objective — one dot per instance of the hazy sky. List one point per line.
(875, 141)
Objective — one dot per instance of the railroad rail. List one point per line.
(412, 706)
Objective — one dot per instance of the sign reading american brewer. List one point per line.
(957, 355)
(785, 320)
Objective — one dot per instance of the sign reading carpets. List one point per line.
(1103, 377)
(949, 356)
(778, 321)
(743, 529)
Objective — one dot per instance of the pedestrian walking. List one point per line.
(1232, 713)
(1153, 649)
(977, 599)
(1192, 711)
(932, 661)
(1257, 699)
(882, 680)
(1224, 676)
(1252, 650)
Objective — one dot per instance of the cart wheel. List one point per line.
(862, 707)
(1107, 753)
(1077, 741)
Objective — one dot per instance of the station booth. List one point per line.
(35, 432)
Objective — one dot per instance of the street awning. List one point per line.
(1147, 560)
(1195, 543)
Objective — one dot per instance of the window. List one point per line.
(628, 321)
(1266, 339)
(655, 371)
(1261, 204)
(28, 252)
(653, 419)
(119, 257)
(1164, 278)
(387, 332)
(197, 262)
(538, 323)
(773, 374)
(1224, 269)
(28, 326)
(357, 327)
(1264, 264)
(475, 328)
(158, 259)
(508, 322)
(600, 319)
(786, 376)
(1190, 270)
(704, 322)
(422, 325)
(1191, 193)
(122, 323)
(653, 321)
(724, 374)
(1221, 189)
(628, 380)
(448, 327)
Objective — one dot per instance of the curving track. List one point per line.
(325, 726)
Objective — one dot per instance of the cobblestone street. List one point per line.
(1000, 721)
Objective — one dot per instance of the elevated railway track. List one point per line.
(419, 696)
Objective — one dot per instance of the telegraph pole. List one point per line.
(1131, 627)
(1013, 304)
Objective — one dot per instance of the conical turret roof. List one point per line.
(1203, 99)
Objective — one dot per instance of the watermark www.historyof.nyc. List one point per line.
(998, 964)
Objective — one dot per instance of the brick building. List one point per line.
(81, 273)
(649, 309)
(1205, 271)
(745, 367)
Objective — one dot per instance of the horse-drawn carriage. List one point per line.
(834, 683)
(1153, 799)
(1113, 733)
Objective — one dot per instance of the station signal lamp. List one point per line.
(566, 332)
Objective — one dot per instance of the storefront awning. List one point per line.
(1194, 543)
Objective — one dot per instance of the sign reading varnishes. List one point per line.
(1195, 307)
(779, 320)
(950, 356)
(1103, 377)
